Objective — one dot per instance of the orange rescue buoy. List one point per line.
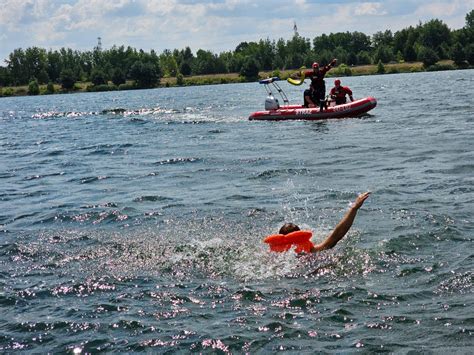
(283, 242)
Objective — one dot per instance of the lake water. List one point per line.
(133, 221)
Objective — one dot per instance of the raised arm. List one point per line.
(343, 226)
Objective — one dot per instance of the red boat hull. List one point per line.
(298, 112)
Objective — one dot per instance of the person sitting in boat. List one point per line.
(309, 99)
(318, 85)
(339, 92)
(295, 237)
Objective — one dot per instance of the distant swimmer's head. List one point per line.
(288, 228)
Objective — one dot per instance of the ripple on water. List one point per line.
(181, 160)
(457, 283)
(273, 173)
(152, 198)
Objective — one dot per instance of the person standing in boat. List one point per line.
(316, 94)
(339, 92)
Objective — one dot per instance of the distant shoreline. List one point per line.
(213, 79)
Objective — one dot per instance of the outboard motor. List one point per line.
(271, 103)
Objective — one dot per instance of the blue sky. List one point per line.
(215, 25)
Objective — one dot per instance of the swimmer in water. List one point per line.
(337, 234)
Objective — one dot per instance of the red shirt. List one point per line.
(340, 92)
(318, 77)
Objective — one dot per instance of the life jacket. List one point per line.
(341, 91)
(283, 242)
(317, 81)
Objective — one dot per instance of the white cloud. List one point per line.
(12, 10)
(369, 8)
(164, 7)
(442, 8)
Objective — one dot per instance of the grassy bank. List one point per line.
(340, 71)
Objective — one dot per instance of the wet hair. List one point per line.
(288, 228)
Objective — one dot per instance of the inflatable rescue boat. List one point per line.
(274, 112)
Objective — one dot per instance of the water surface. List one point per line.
(133, 221)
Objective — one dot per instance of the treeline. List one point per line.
(66, 66)
(128, 67)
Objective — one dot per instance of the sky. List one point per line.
(215, 25)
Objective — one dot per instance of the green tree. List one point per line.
(16, 63)
(469, 50)
(359, 42)
(233, 61)
(351, 42)
(400, 39)
(43, 76)
(98, 77)
(363, 57)
(168, 63)
(250, 69)
(380, 67)
(341, 55)
(78, 63)
(428, 56)
(33, 87)
(118, 76)
(265, 53)
(457, 54)
(185, 68)
(98, 57)
(434, 34)
(183, 55)
(207, 62)
(382, 39)
(383, 53)
(323, 42)
(297, 48)
(54, 65)
(180, 79)
(5, 78)
(409, 52)
(145, 75)
(50, 88)
(399, 57)
(351, 58)
(324, 57)
(116, 58)
(470, 19)
(67, 79)
(279, 60)
(35, 64)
